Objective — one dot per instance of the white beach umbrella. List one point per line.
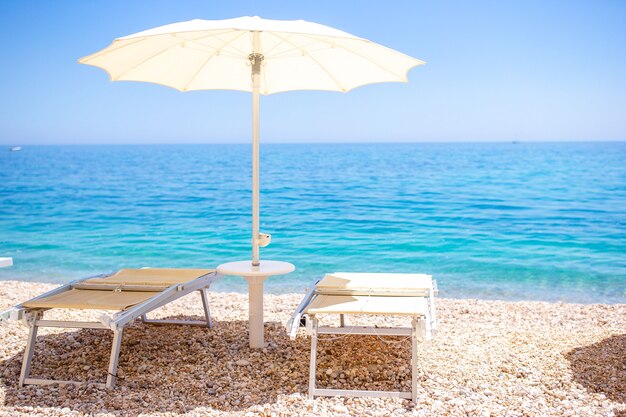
(251, 54)
(257, 55)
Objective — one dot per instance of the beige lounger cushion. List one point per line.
(92, 299)
(354, 283)
(345, 304)
(102, 294)
(164, 277)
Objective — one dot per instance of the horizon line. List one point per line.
(512, 141)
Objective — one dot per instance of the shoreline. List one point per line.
(239, 286)
(489, 358)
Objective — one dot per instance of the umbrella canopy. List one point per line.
(251, 54)
(217, 54)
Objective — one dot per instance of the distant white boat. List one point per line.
(15, 148)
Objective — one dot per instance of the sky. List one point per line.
(496, 71)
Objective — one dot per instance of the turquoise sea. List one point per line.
(541, 221)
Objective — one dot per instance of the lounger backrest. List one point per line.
(154, 278)
(398, 285)
(119, 291)
(91, 299)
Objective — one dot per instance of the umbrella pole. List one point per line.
(256, 58)
(255, 283)
(255, 171)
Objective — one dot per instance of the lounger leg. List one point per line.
(28, 354)
(115, 355)
(425, 328)
(414, 360)
(312, 366)
(207, 311)
(207, 322)
(433, 317)
(342, 320)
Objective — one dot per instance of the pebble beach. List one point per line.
(489, 358)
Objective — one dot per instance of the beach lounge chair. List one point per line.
(345, 294)
(128, 293)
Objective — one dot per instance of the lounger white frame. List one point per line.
(32, 318)
(421, 327)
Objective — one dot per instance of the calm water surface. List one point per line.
(508, 221)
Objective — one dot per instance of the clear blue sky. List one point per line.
(496, 71)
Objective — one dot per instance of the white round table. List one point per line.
(255, 275)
